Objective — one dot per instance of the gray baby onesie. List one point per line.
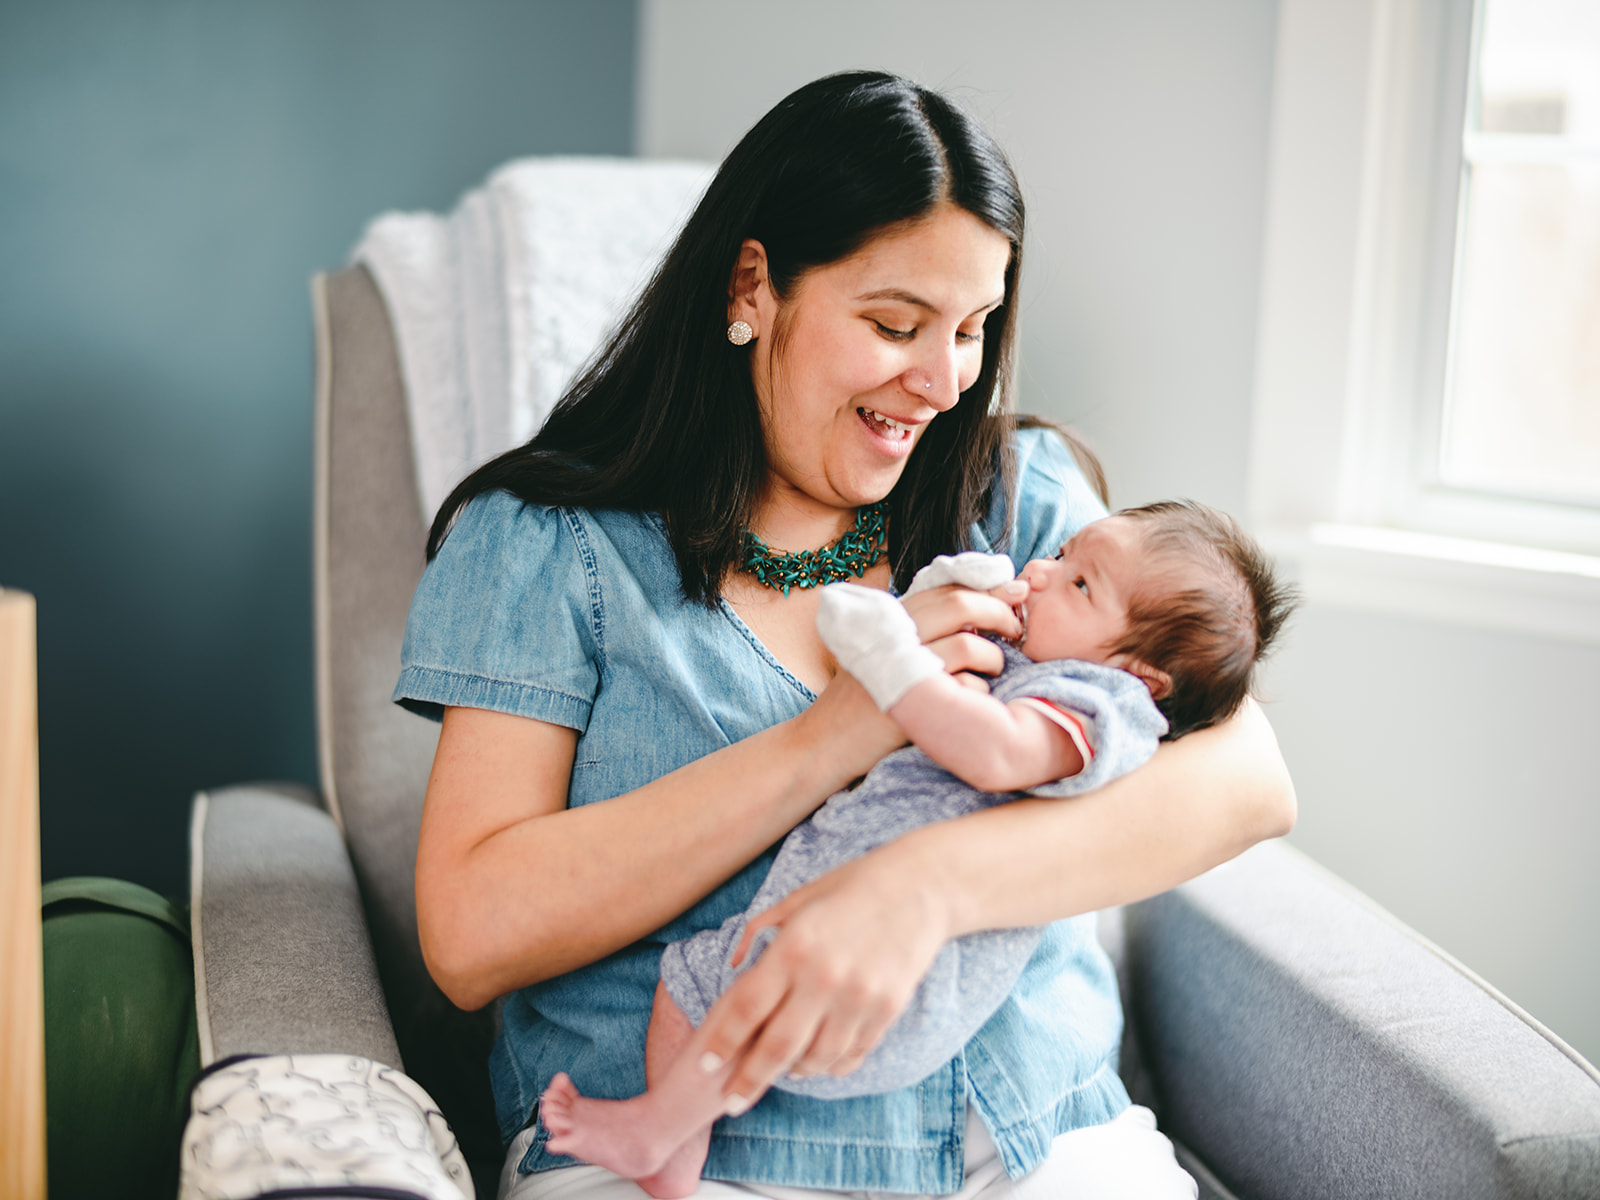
(972, 975)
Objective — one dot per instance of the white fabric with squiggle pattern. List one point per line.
(330, 1122)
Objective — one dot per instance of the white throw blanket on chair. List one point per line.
(498, 304)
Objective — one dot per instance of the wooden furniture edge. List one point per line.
(22, 1112)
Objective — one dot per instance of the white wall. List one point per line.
(1444, 771)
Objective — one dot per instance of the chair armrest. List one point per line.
(282, 960)
(1306, 1044)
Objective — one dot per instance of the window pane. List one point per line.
(1539, 68)
(1523, 413)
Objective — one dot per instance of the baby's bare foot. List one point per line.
(623, 1136)
(681, 1174)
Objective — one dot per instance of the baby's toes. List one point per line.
(555, 1106)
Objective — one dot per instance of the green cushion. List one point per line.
(121, 1044)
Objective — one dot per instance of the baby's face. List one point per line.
(1077, 605)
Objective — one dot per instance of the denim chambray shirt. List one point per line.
(575, 616)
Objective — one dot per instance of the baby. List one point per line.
(1148, 624)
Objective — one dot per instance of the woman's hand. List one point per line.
(849, 952)
(949, 620)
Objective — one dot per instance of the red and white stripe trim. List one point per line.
(1073, 723)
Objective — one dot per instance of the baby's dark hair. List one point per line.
(1207, 637)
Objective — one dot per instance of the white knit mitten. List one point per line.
(875, 639)
(970, 569)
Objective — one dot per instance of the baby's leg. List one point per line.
(658, 1139)
(665, 1043)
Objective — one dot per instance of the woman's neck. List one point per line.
(788, 520)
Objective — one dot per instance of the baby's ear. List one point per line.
(1157, 680)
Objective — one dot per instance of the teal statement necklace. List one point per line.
(848, 558)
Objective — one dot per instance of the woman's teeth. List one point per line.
(887, 423)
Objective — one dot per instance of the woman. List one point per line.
(823, 360)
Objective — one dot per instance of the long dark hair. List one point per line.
(665, 417)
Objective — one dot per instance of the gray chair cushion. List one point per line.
(1308, 1045)
(282, 960)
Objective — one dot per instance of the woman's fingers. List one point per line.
(829, 1012)
(947, 610)
(834, 1038)
(735, 1021)
(947, 618)
(849, 951)
(1012, 593)
(836, 1011)
(789, 1032)
(841, 1042)
(764, 1022)
(853, 1027)
(767, 918)
(867, 1036)
(969, 652)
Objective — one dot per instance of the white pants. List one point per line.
(1124, 1159)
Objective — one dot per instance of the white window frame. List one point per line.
(1358, 259)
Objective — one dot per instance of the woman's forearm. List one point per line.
(513, 887)
(1199, 802)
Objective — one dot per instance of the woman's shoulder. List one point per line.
(503, 617)
(501, 527)
(1047, 467)
(1051, 498)
(498, 515)
(499, 544)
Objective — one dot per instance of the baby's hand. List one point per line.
(876, 640)
(970, 569)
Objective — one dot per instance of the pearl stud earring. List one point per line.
(740, 333)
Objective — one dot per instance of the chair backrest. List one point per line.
(375, 756)
(571, 239)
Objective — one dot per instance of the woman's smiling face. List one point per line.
(864, 352)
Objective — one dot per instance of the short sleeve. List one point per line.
(1053, 502)
(503, 618)
(1111, 709)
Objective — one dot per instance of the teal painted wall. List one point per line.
(171, 172)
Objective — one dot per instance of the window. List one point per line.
(1427, 420)
(1521, 409)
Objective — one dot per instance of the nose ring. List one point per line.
(929, 384)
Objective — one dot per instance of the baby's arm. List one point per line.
(993, 746)
(988, 743)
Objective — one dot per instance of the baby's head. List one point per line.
(1174, 592)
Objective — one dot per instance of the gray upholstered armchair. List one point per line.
(1296, 1041)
